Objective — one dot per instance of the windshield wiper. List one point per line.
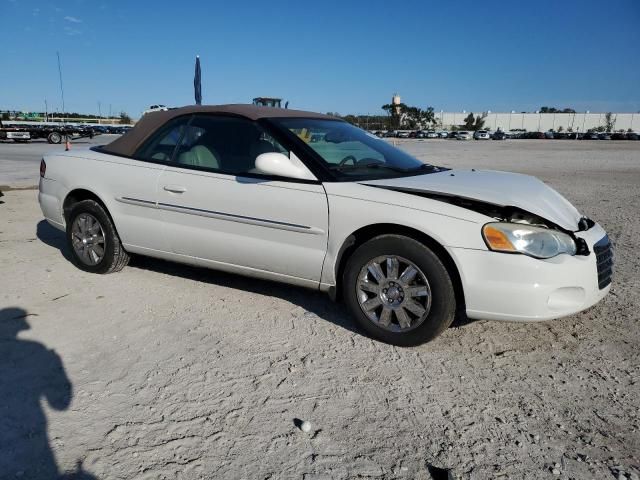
(342, 168)
(427, 166)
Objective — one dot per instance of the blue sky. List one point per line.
(347, 56)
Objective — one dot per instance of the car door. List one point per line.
(134, 185)
(218, 209)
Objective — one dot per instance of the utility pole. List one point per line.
(46, 111)
(584, 118)
(99, 113)
(61, 89)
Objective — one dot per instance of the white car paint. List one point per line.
(498, 188)
(294, 231)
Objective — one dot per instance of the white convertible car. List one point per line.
(308, 199)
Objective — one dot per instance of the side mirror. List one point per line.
(274, 163)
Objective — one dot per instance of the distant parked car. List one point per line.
(604, 136)
(463, 136)
(389, 134)
(481, 135)
(432, 134)
(633, 136)
(443, 134)
(499, 135)
(550, 134)
(155, 108)
(403, 135)
(590, 136)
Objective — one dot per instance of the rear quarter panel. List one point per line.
(110, 178)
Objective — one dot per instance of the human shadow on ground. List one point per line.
(314, 302)
(29, 373)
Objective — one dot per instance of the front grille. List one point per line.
(604, 261)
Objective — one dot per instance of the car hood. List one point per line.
(498, 188)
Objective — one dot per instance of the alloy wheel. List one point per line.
(87, 238)
(393, 293)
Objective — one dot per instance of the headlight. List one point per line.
(536, 242)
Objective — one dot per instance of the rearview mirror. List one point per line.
(274, 163)
(337, 136)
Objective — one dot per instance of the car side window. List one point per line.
(160, 147)
(225, 144)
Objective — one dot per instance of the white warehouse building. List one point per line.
(542, 122)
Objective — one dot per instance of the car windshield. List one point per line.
(351, 153)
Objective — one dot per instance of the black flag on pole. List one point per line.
(197, 88)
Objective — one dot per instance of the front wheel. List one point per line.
(399, 291)
(93, 240)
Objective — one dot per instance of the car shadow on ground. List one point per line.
(53, 237)
(314, 302)
(29, 374)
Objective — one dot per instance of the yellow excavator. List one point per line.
(274, 102)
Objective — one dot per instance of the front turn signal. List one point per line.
(496, 239)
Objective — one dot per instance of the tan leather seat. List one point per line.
(199, 156)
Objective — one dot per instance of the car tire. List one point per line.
(88, 252)
(54, 137)
(439, 304)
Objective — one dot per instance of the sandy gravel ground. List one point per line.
(166, 371)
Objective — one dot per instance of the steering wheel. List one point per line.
(344, 161)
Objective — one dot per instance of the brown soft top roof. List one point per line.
(128, 143)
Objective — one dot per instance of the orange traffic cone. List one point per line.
(67, 144)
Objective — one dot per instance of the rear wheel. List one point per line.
(93, 240)
(54, 137)
(399, 291)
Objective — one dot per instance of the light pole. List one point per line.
(584, 119)
(539, 119)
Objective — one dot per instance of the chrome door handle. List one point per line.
(175, 188)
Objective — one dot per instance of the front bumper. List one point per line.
(499, 286)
